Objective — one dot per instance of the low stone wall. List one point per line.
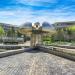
(57, 52)
(62, 46)
(13, 52)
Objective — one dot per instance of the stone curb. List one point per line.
(68, 47)
(13, 52)
(56, 52)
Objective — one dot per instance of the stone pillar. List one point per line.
(36, 36)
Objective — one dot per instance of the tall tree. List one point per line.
(1, 33)
(11, 32)
(69, 32)
(60, 34)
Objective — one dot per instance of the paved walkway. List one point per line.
(36, 63)
(27, 43)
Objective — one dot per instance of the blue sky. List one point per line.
(21, 11)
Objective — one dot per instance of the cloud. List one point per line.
(20, 16)
(6, 13)
(19, 13)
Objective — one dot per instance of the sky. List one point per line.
(17, 12)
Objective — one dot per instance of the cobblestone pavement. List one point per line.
(36, 63)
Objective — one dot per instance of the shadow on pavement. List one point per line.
(33, 51)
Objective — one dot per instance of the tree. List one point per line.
(11, 32)
(1, 33)
(60, 34)
(69, 32)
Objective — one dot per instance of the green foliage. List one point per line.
(11, 32)
(71, 28)
(52, 38)
(60, 34)
(47, 40)
(1, 31)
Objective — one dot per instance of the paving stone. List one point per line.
(36, 63)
